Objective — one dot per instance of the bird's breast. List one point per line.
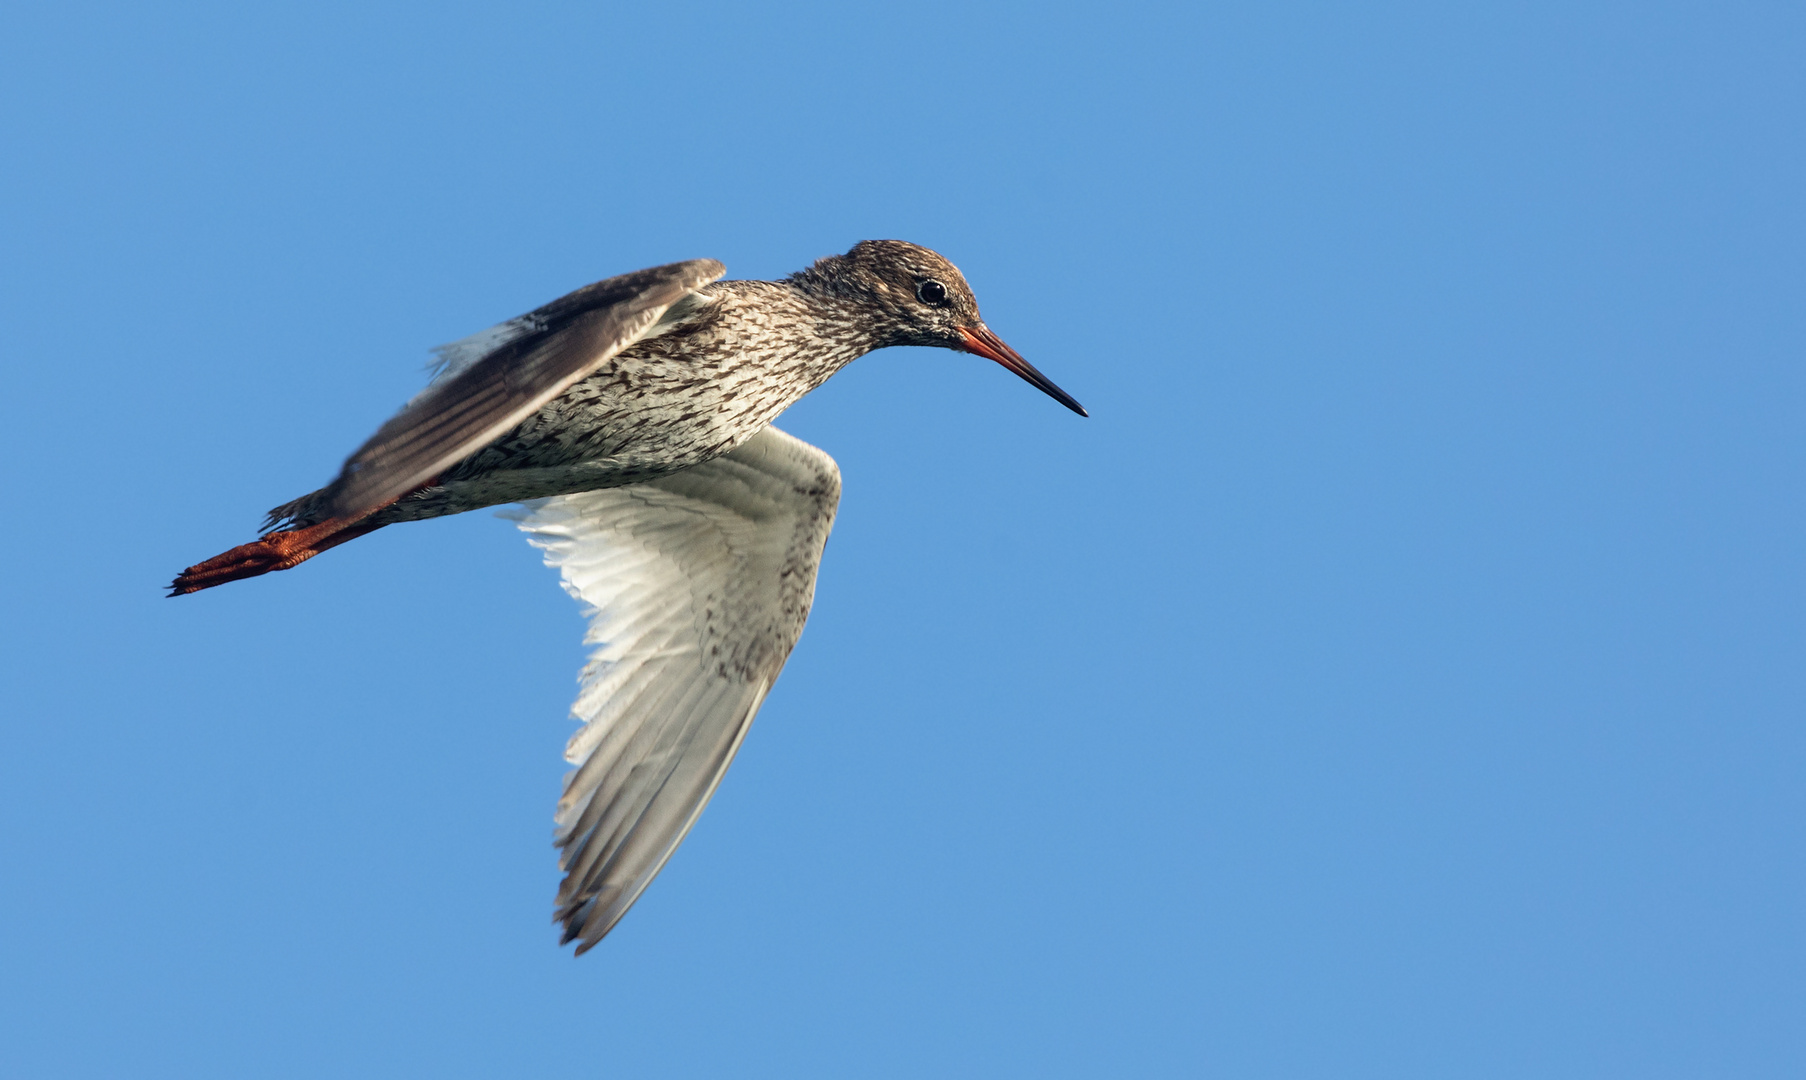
(658, 407)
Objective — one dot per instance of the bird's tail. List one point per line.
(274, 551)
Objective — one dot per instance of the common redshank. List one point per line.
(632, 419)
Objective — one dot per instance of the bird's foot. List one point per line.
(276, 551)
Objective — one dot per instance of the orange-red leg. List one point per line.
(277, 551)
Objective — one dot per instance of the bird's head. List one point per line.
(912, 296)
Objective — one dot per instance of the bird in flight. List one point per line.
(631, 419)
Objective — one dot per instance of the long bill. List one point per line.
(979, 340)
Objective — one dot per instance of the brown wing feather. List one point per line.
(570, 338)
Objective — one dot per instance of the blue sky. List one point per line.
(1399, 675)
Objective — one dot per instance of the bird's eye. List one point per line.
(932, 293)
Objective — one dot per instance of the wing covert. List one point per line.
(697, 585)
(527, 361)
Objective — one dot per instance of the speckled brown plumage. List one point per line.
(721, 366)
(663, 404)
(633, 418)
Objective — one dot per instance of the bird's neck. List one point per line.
(837, 331)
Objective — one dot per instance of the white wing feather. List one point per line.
(449, 359)
(697, 586)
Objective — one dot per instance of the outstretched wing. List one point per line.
(698, 585)
(527, 362)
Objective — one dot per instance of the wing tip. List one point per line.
(575, 920)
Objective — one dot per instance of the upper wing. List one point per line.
(526, 362)
(698, 585)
